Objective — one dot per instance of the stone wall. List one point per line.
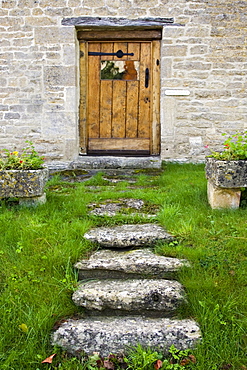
(203, 55)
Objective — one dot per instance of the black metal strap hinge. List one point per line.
(118, 54)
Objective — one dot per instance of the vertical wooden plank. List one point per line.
(106, 96)
(118, 109)
(155, 141)
(83, 98)
(107, 47)
(134, 47)
(145, 92)
(105, 108)
(93, 91)
(132, 100)
(120, 46)
(119, 98)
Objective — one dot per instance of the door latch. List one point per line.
(118, 54)
(146, 77)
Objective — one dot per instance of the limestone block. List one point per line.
(59, 76)
(53, 35)
(127, 236)
(22, 183)
(12, 116)
(116, 335)
(219, 197)
(131, 264)
(144, 3)
(41, 21)
(227, 174)
(137, 296)
(175, 50)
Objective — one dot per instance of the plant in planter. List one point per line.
(23, 175)
(226, 172)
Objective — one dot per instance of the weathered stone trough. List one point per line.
(225, 180)
(26, 185)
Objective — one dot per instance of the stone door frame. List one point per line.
(90, 25)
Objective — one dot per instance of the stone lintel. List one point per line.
(117, 22)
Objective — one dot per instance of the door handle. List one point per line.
(146, 77)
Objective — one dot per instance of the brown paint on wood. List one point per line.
(130, 72)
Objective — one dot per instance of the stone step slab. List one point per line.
(127, 236)
(137, 263)
(135, 296)
(115, 335)
(124, 206)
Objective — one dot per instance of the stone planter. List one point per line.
(26, 185)
(225, 180)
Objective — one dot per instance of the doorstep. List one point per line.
(108, 162)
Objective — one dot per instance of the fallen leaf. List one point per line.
(49, 359)
(226, 366)
(184, 362)
(99, 363)
(158, 364)
(23, 328)
(192, 358)
(109, 365)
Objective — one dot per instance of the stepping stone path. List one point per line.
(130, 295)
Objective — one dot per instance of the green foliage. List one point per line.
(111, 72)
(28, 159)
(142, 359)
(235, 148)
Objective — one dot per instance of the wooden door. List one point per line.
(122, 102)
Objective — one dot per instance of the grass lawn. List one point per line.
(39, 246)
